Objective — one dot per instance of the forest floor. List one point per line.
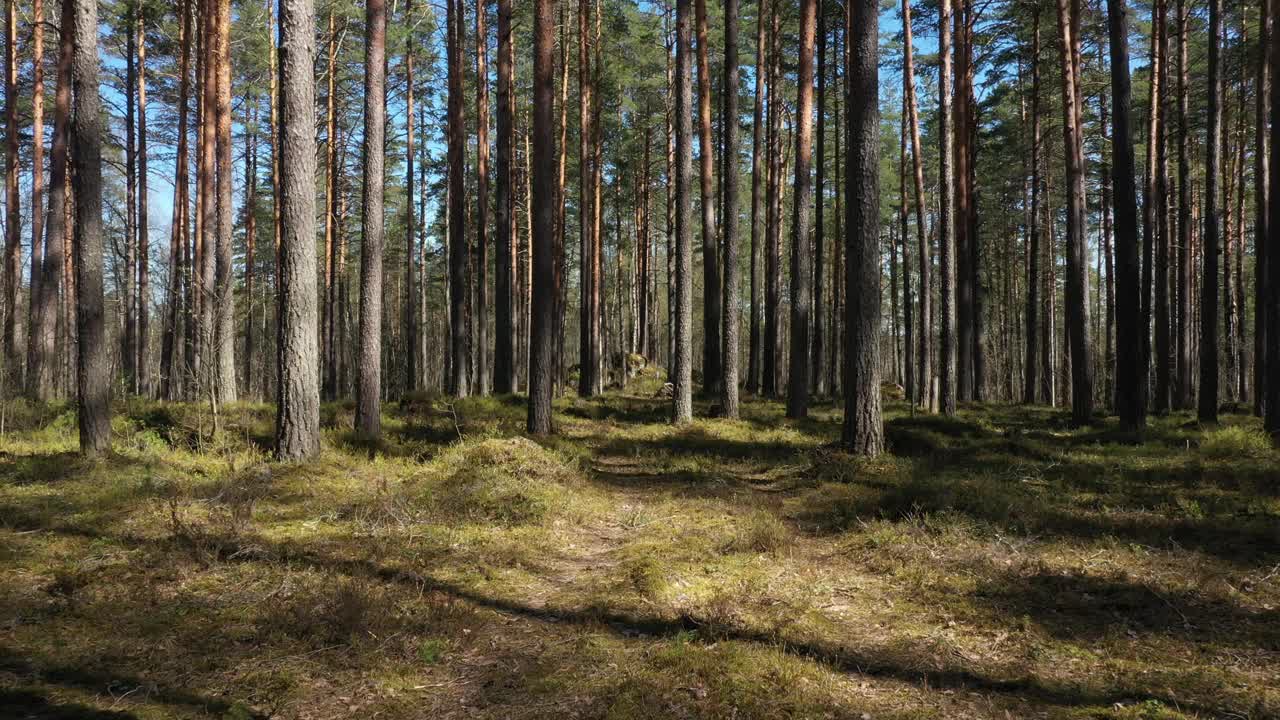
(997, 565)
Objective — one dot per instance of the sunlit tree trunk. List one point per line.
(42, 375)
(682, 410)
(729, 172)
(93, 395)
(298, 387)
(543, 217)
(946, 220)
(863, 427)
(369, 380)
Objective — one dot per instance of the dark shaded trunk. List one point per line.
(504, 336)
(458, 385)
(1131, 324)
(481, 317)
(1184, 391)
(1262, 179)
(1076, 301)
(1031, 380)
(711, 299)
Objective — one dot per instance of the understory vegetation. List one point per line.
(1000, 564)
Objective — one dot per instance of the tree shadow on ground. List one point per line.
(1082, 607)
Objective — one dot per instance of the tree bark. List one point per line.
(1272, 412)
(458, 385)
(93, 366)
(759, 181)
(13, 215)
(411, 369)
(801, 249)
(682, 402)
(1077, 305)
(863, 427)
(817, 364)
(142, 311)
(589, 305)
(329, 331)
(224, 311)
(946, 220)
(729, 213)
(924, 379)
(1262, 178)
(504, 267)
(711, 299)
(35, 355)
(482, 376)
(1131, 325)
(251, 243)
(369, 385)
(1184, 390)
(1163, 398)
(1210, 282)
(298, 387)
(42, 376)
(1030, 375)
(543, 214)
(773, 243)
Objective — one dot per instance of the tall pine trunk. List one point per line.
(711, 300)
(1076, 301)
(759, 181)
(458, 385)
(729, 172)
(93, 394)
(543, 219)
(1210, 282)
(369, 382)
(863, 427)
(42, 376)
(298, 386)
(801, 250)
(1131, 325)
(504, 266)
(481, 320)
(946, 220)
(682, 402)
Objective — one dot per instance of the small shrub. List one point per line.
(760, 532)
(1235, 443)
(513, 482)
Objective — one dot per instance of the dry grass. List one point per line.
(997, 565)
